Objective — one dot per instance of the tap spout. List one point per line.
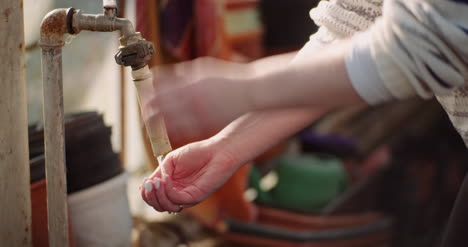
(101, 23)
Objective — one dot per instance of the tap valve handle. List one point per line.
(109, 4)
(136, 54)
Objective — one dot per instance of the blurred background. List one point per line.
(361, 177)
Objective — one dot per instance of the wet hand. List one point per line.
(188, 176)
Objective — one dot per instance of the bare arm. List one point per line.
(267, 127)
(318, 81)
(182, 132)
(256, 132)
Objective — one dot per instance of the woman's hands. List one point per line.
(194, 108)
(188, 175)
(216, 92)
(187, 95)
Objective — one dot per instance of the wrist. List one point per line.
(223, 146)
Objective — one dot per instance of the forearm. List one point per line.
(314, 82)
(270, 64)
(256, 132)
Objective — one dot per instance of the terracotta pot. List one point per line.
(295, 221)
(374, 234)
(39, 214)
(255, 241)
(40, 233)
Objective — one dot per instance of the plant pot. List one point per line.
(370, 235)
(294, 221)
(40, 237)
(101, 214)
(256, 241)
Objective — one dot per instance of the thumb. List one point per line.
(156, 174)
(167, 165)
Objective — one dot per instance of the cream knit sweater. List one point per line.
(414, 48)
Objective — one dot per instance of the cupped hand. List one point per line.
(188, 175)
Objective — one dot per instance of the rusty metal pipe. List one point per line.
(54, 25)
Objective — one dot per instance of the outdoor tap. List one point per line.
(134, 51)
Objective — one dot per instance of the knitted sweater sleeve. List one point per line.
(419, 48)
(340, 19)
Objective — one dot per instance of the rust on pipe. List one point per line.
(53, 27)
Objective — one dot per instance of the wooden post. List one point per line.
(15, 209)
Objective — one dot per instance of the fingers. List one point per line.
(165, 203)
(153, 193)
(167, 166)
(142, 192)
(165, 170)
(148, 195)
(156, 174)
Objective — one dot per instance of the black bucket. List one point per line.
(90, 159)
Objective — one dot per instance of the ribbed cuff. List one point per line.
(363, 73)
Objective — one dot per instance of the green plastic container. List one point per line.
(306, 183)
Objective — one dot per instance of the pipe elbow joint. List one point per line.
(126, 27)
(53, 27)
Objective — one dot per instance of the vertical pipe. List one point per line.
(55, 146)
(123, 121)
(15, 209)
(123, 100)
